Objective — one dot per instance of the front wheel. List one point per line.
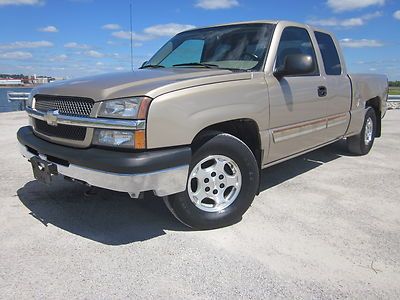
(362, 143)
(221, 186)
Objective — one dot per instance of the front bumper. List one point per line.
(162, 171)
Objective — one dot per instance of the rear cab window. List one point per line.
(329, 53)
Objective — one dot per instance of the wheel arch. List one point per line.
(376, 103)
(245, 129)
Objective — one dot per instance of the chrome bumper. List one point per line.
(164, 182)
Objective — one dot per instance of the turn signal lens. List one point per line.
(140, 139)
(144, 108)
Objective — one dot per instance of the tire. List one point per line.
(362, 143)
(235, 180)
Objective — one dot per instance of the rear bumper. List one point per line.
(162, 171)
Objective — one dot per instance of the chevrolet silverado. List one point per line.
(198, 121)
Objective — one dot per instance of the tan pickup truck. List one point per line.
(203, 116)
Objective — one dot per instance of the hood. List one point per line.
(148, 82)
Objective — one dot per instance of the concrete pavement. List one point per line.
(327, 225)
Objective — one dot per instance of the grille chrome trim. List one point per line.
(91, 122)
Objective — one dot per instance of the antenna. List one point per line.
(130, 13)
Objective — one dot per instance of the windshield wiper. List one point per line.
(209, 66)
(236, 69)
(152, 66)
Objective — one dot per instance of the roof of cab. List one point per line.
(260, 22)
(236, 23)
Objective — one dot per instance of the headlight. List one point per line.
(120, 138)
(125, 108)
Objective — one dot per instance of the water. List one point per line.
(11, 106)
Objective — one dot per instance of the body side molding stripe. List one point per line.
(288, 132)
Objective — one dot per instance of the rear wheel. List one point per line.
(221, 186)
(362, 143)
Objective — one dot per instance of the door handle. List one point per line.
(322, 91)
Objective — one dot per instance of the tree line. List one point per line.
(394, 83)
(15, 76)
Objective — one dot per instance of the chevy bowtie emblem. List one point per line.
(51, 117)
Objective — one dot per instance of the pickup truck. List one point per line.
(198, 121)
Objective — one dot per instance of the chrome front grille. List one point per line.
(70, 135)
(71, 106)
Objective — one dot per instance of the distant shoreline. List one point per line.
(18, 87)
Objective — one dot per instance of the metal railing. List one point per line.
(394, 98)
(21, 97)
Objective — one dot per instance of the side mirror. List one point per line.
(143, 64)
(295, 64)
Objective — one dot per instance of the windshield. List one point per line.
(236, 47)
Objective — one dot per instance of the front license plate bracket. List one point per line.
(43, 170)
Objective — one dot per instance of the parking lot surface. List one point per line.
(327, 225)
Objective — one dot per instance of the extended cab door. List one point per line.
(297, 103)
(338, 86)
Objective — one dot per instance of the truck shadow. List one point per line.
(279, 173)
(114, 218)
(104, 216)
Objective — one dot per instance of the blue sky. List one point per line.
(70, 38)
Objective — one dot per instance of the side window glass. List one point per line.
(329, 54)
(190, 51)
(295, 40)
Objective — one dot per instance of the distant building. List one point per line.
(56, 79)
(41, 80)
(11, 81)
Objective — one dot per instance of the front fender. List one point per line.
(175, 118)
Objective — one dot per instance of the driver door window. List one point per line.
(295, 40)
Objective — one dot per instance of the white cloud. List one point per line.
(362, 43)
(93, 53)
(216, 4)
(48, 29)
(347, 5)
(167, 29)
(135, 36)
(59, 58)
(111, 27)
(25, 67)
(25, 45)
(153, 32)
(350, 22)
(16, 55)
(21, 2)
(74, 45)
(396, 15)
